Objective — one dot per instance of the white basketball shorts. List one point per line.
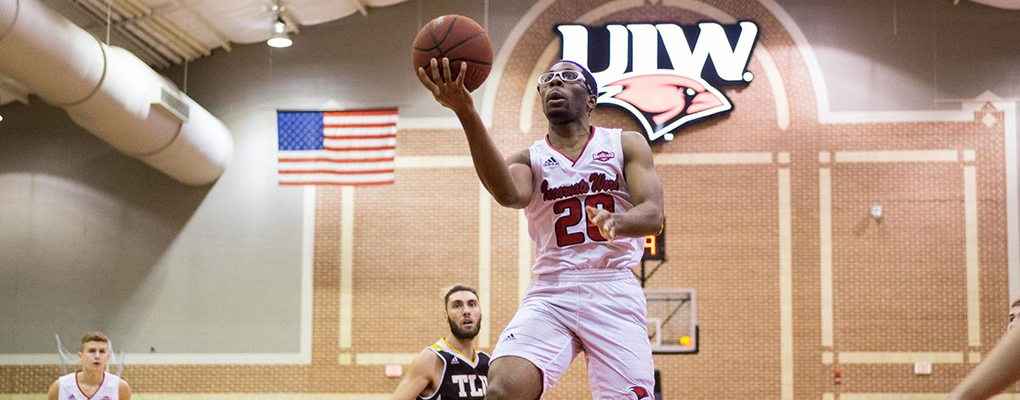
(599, 312)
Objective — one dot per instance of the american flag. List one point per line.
(351, 147)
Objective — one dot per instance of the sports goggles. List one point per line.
(565, 76)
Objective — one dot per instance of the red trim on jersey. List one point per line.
(87, 397)
(573, 161)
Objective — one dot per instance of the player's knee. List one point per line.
(497, 391)
(505, 389)
(501, 390)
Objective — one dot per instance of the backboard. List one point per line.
(672, 320)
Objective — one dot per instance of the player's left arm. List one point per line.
(54, 392)
(124, 390)
(422, 373)
(645, 218)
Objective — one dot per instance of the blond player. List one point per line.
(92, 382)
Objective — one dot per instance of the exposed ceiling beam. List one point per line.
(158, 59)
(168, 38)
(151, 29)
(141, 17)
(221, 39)
(154, 44)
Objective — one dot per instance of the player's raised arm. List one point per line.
(420, 375)
(520, 168)
(645, 191)
(493, 170)
(995, 374)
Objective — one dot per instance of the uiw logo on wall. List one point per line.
(664, 74)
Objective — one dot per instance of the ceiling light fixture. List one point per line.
(280, 37)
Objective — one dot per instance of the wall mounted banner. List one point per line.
(665, 74)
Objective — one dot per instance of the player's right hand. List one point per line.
(448, 91)
(604, 220)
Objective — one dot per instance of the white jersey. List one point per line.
(108, 390)
(564, 238)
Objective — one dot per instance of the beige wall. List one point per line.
(748, 237)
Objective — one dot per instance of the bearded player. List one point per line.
(444, 370)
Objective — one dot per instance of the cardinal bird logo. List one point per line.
(663, 100)
(639, 391)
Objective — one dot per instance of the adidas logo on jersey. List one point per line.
(551, 162)
(455, 361)
(509, 337)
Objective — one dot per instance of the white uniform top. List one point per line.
(108, 390)
(564, 238)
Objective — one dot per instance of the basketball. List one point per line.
(461, 40)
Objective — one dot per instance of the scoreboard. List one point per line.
(655, 246)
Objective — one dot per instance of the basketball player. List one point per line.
(999, 370)
(443, 370)
(590, 194)
(92, 382)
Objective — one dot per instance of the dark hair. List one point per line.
(94, 336)
(455, 289)
(589, 79)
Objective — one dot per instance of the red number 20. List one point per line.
(575, 214)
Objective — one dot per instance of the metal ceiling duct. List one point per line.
(111, 93)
